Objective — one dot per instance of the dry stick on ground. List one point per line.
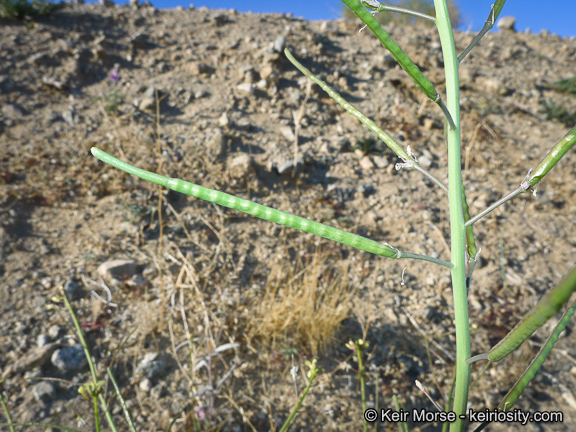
(297, 119)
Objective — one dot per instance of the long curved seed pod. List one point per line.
(552, 158)
(547, 307)
(264, 212)
(534, 177)
(400, 56)
(494, 14)
(352, 110)
(515, 392)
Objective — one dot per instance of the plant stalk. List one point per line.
(457, 229)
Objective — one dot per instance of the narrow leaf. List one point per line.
(546, 308)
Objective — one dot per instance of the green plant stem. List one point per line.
(457, 229)
(121, 399)
(425, 258)
(313, 373)
(6, 413)
(494, 206)
(96, 416)
(494, 13)
(89, 359)
(534, 177)
(362, 383)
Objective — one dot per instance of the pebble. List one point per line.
(45, 391)
(151, 365)
(424, 162)
(117, 268)
(246, 87)
(279, 44)
(145, 385)
(72, 290)
(54, 332)
(507, 23)
(366, 163)
(42, 340)
(69, 358)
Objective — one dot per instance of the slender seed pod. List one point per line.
(400, 56)
(264, 212)
(351, 109)
(516, 391)
(547, 307)
(552, 158)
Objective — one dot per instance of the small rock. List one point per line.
(269, 74)
(507, 23)
(287, 132)
(279, 44)
(42, 340)
(68, 117)
(117, 268)
(54, 331)
(151, 365)
(288, 166)
(71, 358)
(366, 163)
(12, 112)
(223, 120)
(146, 103)
(424, 162)
(33, 358)
(246, 87)
(216, 144)
(72, 289)
(145, 385)
(380, 162)
(44, 391)
(240, 166)
(200, 68)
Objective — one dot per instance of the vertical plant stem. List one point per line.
(457, 228)
(6, 412)
(96, 416)
(359, 352)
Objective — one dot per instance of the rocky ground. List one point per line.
(206, 95)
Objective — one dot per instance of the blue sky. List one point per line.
(556, 16)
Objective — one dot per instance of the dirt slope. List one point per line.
(202, 95)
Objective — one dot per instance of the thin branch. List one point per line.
(444, 109)
(487, 27)
(377, 7)
(497, 204)
(478, 357)
(425, 258)
(428, 175)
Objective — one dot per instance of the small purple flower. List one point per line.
(114, 76)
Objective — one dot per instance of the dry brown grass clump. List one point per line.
(303, 305)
